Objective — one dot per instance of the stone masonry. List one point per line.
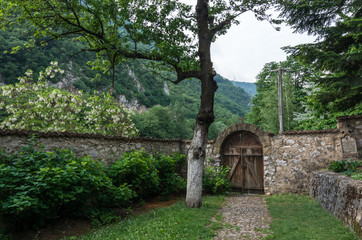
(105, 148)
(339, 194)
(292, 158)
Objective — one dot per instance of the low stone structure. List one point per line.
(285, 161)
(340, 195)
(105, 148)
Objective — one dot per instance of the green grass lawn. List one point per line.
(175, 222)
(297, 217)
(294, 217)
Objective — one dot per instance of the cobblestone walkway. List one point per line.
(245, 217)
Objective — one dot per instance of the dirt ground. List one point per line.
(61, 228)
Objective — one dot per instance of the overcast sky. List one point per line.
(242, 52)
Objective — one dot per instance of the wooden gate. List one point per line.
(243, 153)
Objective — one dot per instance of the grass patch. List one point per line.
(175, 222)
(357, 175)
(302, 218)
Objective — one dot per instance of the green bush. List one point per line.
(215, 180)
(147, 174)
(167, 167)
(346, 167)
(337, 166)
(37, 185)
(137, 170)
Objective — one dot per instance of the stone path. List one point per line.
(244, 217)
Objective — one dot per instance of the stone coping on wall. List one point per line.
(349, 117)
(296, 132)
(19, 132)
(340, 195)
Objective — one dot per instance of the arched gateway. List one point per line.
(241, 148)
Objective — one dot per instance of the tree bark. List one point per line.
(197, 151)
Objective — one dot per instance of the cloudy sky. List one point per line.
(242, 52)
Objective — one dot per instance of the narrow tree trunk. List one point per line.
(197, 152)
(196, 158)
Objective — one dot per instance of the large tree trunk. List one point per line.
(197, 152)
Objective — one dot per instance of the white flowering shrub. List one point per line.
(33, 105)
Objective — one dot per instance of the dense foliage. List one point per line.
(162, 122)
(177, 119)
(33, 105)
(336, 57)
(264, 111)
(215, 180)
(350, 168)
(41, 185)
(37, 185)
(148, 174)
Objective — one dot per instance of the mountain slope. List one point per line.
(247, 86)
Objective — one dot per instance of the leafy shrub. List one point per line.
(167, 167)
(136, 169)
(147, 174)
(337, 166)
(345, 167)
(37, 185)
(215, 180)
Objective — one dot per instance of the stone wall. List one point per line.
(289, 158)
(292, 157)
(105, 148)
(351, 128)
(340, 195)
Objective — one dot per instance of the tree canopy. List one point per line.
(264, 111)
(33, 105)
(336, 56)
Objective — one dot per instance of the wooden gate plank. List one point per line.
(231, 173)
(252, 170)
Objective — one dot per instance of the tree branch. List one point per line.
(93, 50)
(222, 24)
(181, 75)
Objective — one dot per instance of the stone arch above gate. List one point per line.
(242, 147)
(263, 136)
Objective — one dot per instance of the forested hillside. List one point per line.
(247, 86)
(162, 109)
